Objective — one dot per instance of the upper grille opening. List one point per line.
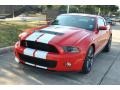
(39, 46)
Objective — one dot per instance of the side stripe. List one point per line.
(33, 36)
(46, 38)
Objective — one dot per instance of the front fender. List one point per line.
(84, 45)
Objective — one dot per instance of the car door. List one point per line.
(102, 33)
(106, 32)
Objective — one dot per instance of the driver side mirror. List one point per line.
(102, 28)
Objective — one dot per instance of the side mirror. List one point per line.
(102, 28)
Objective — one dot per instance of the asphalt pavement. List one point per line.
(105, 71)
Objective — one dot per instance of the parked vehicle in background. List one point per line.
(117, 19)
(110, 21)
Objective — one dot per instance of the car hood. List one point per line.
(60, 35)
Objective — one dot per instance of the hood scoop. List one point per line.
(51, 32)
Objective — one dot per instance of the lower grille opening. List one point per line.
(38, 61)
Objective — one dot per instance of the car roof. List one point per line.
(82, 14)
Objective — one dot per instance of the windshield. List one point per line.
(84, 22)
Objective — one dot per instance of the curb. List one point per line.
(6, 49)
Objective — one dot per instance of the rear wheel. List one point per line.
(88, 61)
(108, 45)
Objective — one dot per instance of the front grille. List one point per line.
(38, 61)
(39, 46)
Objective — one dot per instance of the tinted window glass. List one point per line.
(84, 22)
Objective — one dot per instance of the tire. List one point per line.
(108, 45)
(88, 61)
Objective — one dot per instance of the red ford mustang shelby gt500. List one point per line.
(69, 43)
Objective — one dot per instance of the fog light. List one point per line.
(68, 64)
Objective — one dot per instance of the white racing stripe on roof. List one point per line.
(34, 36)
(46, 38)
(29, 51)
(41, 54)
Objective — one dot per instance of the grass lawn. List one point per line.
(9, 32)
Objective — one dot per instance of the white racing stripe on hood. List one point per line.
(41, 54)
(46, 38)
(34, 36)
(58, 29)
(38, 53)
(29, 51)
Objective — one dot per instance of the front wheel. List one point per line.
(88, 61)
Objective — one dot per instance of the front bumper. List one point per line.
(62, 62)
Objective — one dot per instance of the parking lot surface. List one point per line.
(106, 70)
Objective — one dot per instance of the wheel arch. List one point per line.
(93, 45)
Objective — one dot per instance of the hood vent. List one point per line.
(51, 32)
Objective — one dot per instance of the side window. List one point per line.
(101, 22)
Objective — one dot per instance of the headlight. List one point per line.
(71, 49)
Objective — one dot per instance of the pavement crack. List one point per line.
(99, 83)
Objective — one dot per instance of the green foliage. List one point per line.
(9, 33)
(90, 9)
